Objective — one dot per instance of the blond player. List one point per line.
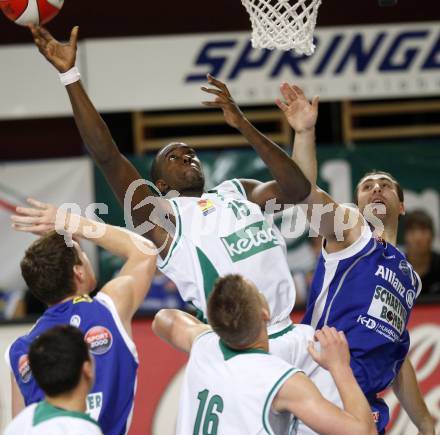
(232, 384)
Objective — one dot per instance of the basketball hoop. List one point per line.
(283, 24)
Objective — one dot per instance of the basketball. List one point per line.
(24, 12)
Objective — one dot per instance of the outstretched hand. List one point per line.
(38, 219)
(300, 114)
(61, 55)
(232, 113)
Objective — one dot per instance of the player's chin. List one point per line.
(195, 179)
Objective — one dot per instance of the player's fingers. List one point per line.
(330, 333)
(315, 102)
(288, 93)
(342, 337)
(74, 36)
(281, 105)
(212, 80)
(44, 34)
(319, 336)
(38, 204)
(211, 91)
(24, 228)
(312, 351)
(27, 211)
(25, 219)
(298, 91)
(211, 104)
(218, 102)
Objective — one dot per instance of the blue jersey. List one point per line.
(111, 400)
(367, 290)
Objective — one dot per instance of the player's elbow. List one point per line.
(163, 322)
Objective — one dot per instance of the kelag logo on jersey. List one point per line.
(386, 306)
(24, 369)
(99, 339)
(249, 241)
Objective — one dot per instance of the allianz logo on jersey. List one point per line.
(386, 307)
(250, 240)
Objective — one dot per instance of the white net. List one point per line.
(283, 24)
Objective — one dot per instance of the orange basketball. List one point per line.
(24, 12)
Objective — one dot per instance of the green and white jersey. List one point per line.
(222, 233)
(228, 392)
(44, 419)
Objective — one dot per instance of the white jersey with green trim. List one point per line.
(222, 233)
(228, 392)
(44, 419)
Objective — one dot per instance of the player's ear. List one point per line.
(266, 315)
(402, 210)
(78, 272)
(88, 370)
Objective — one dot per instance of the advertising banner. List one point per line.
(357, 62)
(166, 72)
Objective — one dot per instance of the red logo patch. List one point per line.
(24, 369)
(99, 340)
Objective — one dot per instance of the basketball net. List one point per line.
(283, 24)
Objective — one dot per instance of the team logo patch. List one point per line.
(404, 267)
(24, 369)
(386, 307)
(410, 298)
(206, 206)
(99, 340)
(75, 320)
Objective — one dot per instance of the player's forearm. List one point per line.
(172, 327)
(92, 128)
(119, 241)
(304, 154)
(352, 397)
(407, 390)
(291, 180)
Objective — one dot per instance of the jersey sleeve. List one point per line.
(231, 188)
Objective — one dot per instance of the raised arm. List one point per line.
(300, 396)
(340, 225)
(177, 328)
(302, 117)
(290, 186)
(129, 288)
(407, 390)
(119, 172)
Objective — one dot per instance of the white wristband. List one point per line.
(70, 76)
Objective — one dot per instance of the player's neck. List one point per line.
(262, 342)
(390, 234)
(73, 401)
(196, 193)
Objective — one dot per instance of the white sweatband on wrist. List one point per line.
(70, 76)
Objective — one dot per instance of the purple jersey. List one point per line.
(367, 290)
(111, 400)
